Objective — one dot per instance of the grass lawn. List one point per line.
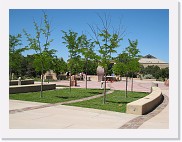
(55, 96)
(114, 102)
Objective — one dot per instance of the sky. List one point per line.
(149, 27)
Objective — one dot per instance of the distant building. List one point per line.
(150, 60)
(50, 75)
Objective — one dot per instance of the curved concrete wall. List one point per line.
(146, 104)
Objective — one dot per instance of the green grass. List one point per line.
(56, 96)
(114, 102)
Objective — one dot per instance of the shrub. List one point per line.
(148, 76)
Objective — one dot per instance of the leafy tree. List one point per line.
(72, 42)
(165, 73)
(30, 70)
(122, 67)
(153, 70)
(87, 50)
(92, 70)
(60, 66)
(43, 59)
(133, 52)
(107, 39)
(15, 56)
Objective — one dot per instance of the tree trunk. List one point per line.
(132, 83)
(10, 75)
(41, 88)
(86, 75)
(104, 100)
(70, 81)
(126, 91)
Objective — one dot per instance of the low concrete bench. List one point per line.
(23, 82)
(146, 104)
(30, 88)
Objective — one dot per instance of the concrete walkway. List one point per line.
(69, 117)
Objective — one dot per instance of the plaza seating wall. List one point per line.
(146, 104)
(23, 82)
(30, 88)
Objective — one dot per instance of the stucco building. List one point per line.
(150, 60)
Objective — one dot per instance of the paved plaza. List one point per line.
(32, 115)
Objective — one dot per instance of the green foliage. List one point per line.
(91, 66)
(75, 65)
(43, 59)
(121, 67)
(127, 62)
(73, 43)
(59, 65)
(165, 73)
(148, 76)
(156, 72)
(133, 51)
(107, 41)
(15, 56)
(87, 48)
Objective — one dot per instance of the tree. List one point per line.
(72, 42)
(15, 57)
(43, 59)
(30, 70)
(155, 71)
(107, 40)
(122, 67)
(60, 66)
(133, 52)
(87, 50)
(165, 73)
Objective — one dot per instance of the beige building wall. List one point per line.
(50, 75)
(161, 65)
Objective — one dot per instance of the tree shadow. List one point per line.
(118, 102)
(94, 93)
(63, 97)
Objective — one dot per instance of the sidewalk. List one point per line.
(69, 117)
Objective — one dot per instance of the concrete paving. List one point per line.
(69, 117)
(160, 121)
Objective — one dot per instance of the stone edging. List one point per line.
(145, 104)
(138, 121)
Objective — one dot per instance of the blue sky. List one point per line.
(150, 27)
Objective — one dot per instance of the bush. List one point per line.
(160, 79)
(148, 76)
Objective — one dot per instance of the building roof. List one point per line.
(149, 59)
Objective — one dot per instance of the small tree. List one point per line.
(60, 66)
(43, 59)
(165, 73)
(87, 50)
(15, 57)
(122, 67)
(107, 40)
(72, 42)
(133, 52)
